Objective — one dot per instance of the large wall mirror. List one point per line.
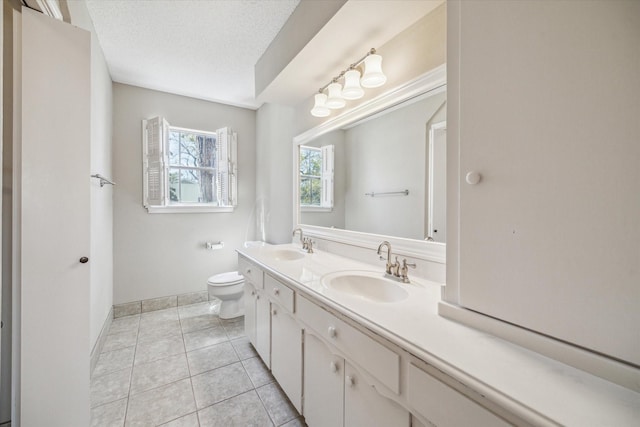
(379, 173)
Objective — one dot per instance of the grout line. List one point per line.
(193, 392)
(126, 411)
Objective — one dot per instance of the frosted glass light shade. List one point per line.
(373, 75)
(335, 99)
(352, 89)
(320, 108)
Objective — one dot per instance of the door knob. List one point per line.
(84, 260)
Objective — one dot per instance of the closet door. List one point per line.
(53, 199)
(547, 113)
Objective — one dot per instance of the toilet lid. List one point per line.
(225, 279)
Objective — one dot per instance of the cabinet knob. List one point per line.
(84, 260)
(333, 366)
(473, 177)
(350, 381)
(253, 293)
(274, 312)
(332, 332)
(276, 291)
(248, 271)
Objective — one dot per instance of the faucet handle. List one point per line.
(405, 264)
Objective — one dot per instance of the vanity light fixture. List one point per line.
(336, 95)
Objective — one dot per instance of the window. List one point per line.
(316, 177)
(188, 170)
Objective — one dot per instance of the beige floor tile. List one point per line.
(148, 351)
(159, 315)
(159, 329)
(112, 361)
(110, 387)
(212, 357)
(190, 420)
(158, 373)
(234, 328)
(220, 384)
(278, 406)
(244, 410)
(124, 324)
(121, 340)
(204, 338)
(161, 405)
(209, 307)
(243, 348)
(110, 414)
(202, 321)
(257, 371)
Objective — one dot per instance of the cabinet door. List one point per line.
(250, 313)
(286, 354)
(263, 328)
(364, 407)
(549, 238)
(323, 384)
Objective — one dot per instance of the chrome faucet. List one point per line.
(395, 270)
(307, 244)
(389, 266)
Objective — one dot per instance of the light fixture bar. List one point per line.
(351, 67)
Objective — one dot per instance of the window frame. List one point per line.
(167, 205)
(326, 179)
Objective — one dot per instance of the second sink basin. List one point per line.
(371, 286)
(286, 254)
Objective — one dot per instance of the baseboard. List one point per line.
(161, 303)
(97, 348)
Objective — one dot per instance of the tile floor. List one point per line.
(184, 367)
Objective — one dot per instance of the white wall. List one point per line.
(390, 154)
(163, 254)
(274, 186)
(101, 232)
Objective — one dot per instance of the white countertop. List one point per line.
(526, 381)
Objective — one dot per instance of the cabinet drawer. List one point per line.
(377, 359)
(251, 272)
(443, 405)
(279, 293)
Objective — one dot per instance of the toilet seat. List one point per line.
(225, 279)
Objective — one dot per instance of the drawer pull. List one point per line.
(332, 332)
(350, 381)
(276, 291)
(333, 366)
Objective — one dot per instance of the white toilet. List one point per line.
(228, 287)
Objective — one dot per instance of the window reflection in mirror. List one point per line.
(385, 153)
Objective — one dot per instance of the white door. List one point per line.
(365, 407)
(323, 384)
(286, 354)
(54, 177)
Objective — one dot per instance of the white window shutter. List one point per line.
(327, 176)
(155, 131)
(226, 176)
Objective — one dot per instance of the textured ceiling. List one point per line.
(205, 49)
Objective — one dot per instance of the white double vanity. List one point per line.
(349, 356)
(384, 357)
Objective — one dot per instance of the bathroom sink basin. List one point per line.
(370, 286)
(286, 254)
